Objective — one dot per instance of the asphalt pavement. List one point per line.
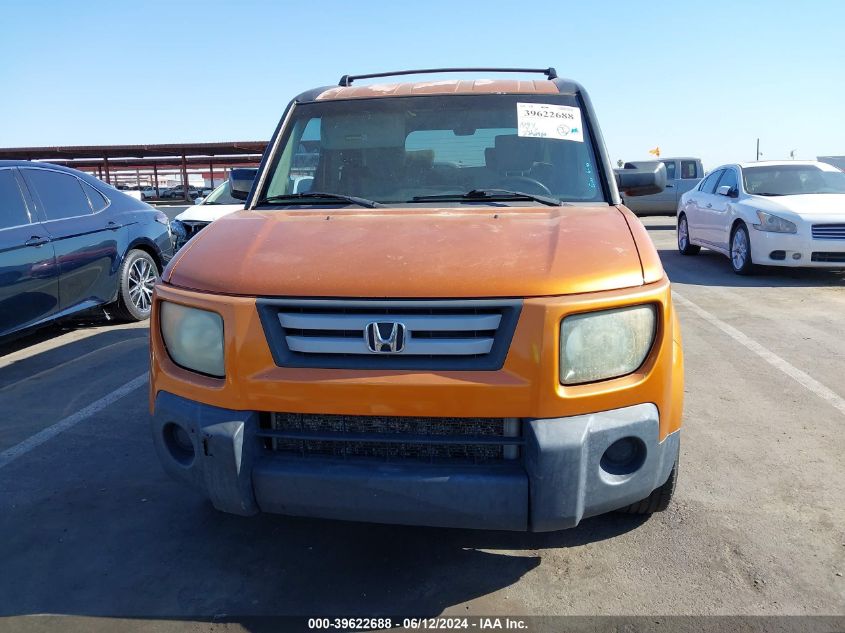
(93, 532)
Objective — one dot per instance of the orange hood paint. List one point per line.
(412, 252)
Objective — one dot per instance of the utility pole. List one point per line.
(758, 149)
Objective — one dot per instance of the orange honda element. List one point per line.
(433, 310)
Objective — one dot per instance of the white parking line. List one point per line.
(34, 441)
(770, 357)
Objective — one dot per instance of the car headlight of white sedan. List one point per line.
(193, 338)
(605, 344)
(774, 224)
(178, 229)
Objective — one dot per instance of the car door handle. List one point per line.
(709, 205)
(36, 240)
(112, 226)
(669, 186)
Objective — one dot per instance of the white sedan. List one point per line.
(789, 213)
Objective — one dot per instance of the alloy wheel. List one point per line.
(739, 249)
(142, 277)
(683, 233)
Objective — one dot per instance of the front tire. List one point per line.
(138, 275)
(740, 252)
(685, 247)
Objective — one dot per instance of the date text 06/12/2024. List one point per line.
(439, 623)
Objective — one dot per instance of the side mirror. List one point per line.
(641, 179)
(240, 182)
(727, 190)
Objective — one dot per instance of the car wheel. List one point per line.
(740, 254)
(138, 275)
(684, 245)
(658, 500)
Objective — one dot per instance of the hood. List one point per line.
(404, 253)
(207, 212)
(810, 205)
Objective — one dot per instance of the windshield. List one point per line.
(790, 180)
(401, 150)
(221, 195)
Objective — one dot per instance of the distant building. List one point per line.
(836, 161)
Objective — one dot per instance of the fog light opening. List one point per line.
(777, 255)
(179, 444)
(796, 255)
(624, 456)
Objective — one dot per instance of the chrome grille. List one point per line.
(426, 334)
(355, 334)
(828, 231)
(388, 438)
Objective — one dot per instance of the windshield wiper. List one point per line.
(308, 196)
(491, 194)
(768, 193)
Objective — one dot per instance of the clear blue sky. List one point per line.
(694, 78)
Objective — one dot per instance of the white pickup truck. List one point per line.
(682, 174)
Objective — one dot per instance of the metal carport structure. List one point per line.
(104, 160)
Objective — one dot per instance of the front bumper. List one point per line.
(558, 480)
(796, 250)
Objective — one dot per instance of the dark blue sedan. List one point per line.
(69, 242)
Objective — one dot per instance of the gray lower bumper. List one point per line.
(563, 458)
(559, 480)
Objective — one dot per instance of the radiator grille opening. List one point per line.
(392, 439)
(829, 257)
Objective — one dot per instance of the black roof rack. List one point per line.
(347, 80)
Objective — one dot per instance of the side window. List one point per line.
(729, 179)
(709, 184)
(670, 169)
(300, 157)
(306, 158)
(60, 194)
(98, 201)
(13, 210)
(689, 169)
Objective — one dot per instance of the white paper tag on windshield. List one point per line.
(544, 120)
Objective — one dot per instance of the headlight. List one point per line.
(178, 230)
(606, 344)
(193, 338)
(774, 224)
